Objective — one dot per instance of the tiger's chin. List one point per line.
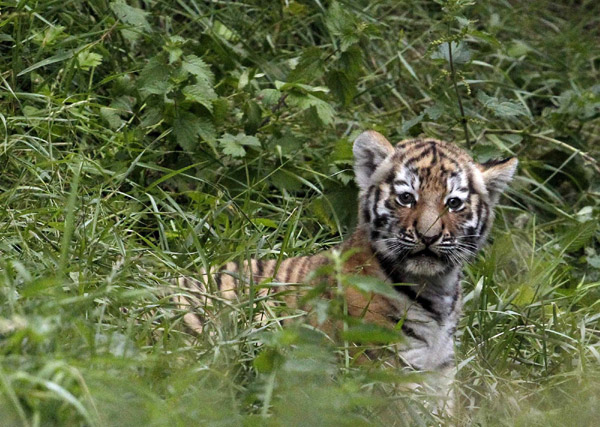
(425, 263)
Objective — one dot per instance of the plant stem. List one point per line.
(460, 106)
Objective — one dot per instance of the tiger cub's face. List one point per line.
(427, 204)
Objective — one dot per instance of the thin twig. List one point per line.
(462, 111)
(585, 156)
(279, 104)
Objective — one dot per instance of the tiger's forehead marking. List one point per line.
(431, 165)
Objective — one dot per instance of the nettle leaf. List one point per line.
(174, 47)
(201, 93)
(248, 140)
(342, 151)
(132, 16)
(233, 145)
(408, 124)
(151, 116)
(435, 111)
(324, 111)
(348, 37)
(341, 86)
(594, 261)
(300, 87)
(460, 53)
(196, 66)
(206, 130)
(309, 66)
(269, 97)
(124, 104)
(188, 127)
(121, 106)
(288, 143)
(155, 78)
(501, 108)
(345, 25)
(111, 117)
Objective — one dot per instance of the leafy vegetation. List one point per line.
(148, 139)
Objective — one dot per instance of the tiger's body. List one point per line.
(425, 208)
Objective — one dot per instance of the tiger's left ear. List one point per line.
(370, 149)
(497, 174)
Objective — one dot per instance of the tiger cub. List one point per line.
(425, 208)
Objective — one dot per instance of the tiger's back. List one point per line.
(425, 208)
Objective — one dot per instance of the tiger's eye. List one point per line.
(454, 203)
(406, 199)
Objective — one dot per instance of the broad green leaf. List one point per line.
(370, 333)
(372, 284)
(124, 104)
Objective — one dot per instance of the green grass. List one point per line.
(142, 142)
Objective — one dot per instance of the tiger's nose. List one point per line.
(429, 240)
(428, 224)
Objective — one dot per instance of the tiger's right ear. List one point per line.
(370, 149)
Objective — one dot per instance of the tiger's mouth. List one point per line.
(425, 253)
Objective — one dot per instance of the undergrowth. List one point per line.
(146, 140)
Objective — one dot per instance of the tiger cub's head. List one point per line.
(426, 204)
